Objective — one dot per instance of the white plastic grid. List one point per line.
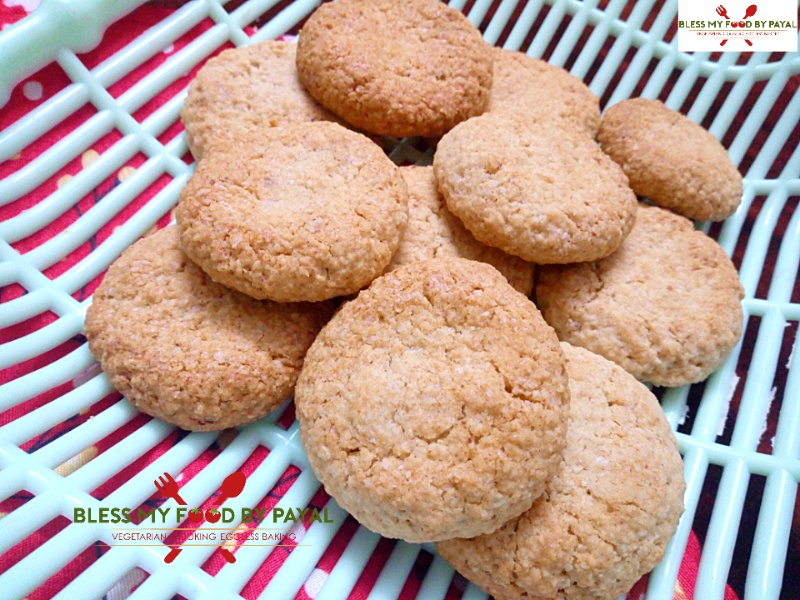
(636, 38)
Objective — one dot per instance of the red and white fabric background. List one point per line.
(31, 93)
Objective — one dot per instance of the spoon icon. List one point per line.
(749, 12)
(231, 487)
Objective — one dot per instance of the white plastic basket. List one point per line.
(730, 457)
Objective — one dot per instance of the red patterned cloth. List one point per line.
(34, 91)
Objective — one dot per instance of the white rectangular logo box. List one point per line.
(737, 25)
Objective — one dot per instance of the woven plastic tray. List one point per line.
(739, 432)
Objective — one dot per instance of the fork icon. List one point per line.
(169, 488)
(722, 12)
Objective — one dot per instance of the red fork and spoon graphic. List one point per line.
(751, 10)
(231, 487)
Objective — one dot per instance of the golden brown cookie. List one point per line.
(304, 212)
(190, 351)
(429, 398)
(246, 89)
(534, 189)
(671, 160)
(433, 231)
(411, 68)
(666, 306)
(606, 517)
(536, 88)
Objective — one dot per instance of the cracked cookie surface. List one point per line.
(671, 160)
(304, 212)
(429, 398)
(666, 306)
(606, 517)
(534, 189)
(190, 351)
(246, 89)
(536, 88)
(411, 68)
(433, 231)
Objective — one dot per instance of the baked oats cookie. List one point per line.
(433, 231)
(429, 398)
(540, 191)
(606, 517)
(671, 160)
(536, 88)
(246, 89)
(190, 351)
(304, 212)
(666, 306)
(411, 68)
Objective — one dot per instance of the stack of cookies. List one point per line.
(456, 395)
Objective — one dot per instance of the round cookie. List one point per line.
(246, 89)
(412, 68)
(523, 83)
(304, 212)
(671, 160)
(608, 514)
(427, 400)
(433, 231)
(190, 351)
(666, 306)
(539, 191)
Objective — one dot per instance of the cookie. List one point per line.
(190, 351)
(542, 192)
(606, 517)
(246, 89)
(428, 398)
(671, 160)
(413, 68)
(304, 212)
(433, 231)
(534, 87)
(666, 306)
